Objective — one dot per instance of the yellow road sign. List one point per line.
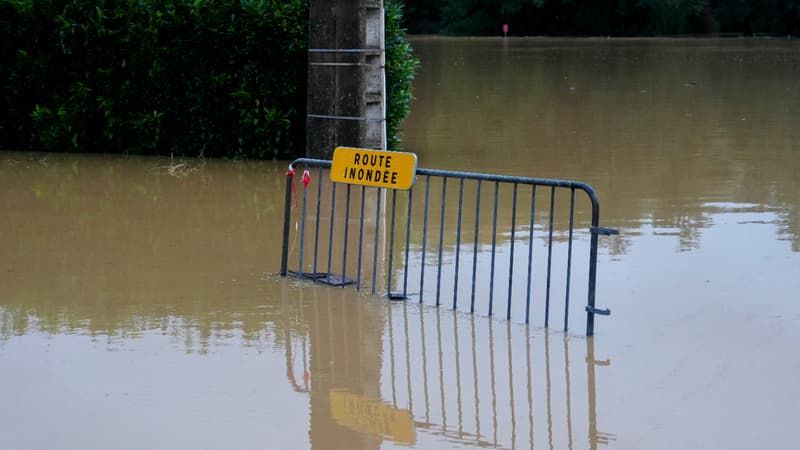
(370, 415)
(393, 170)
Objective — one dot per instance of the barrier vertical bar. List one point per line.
(475, 248)
(330, 237)
(458, 241)
(391, 245)
(377, 235)
(360, 239)
(511, 262)
(494, 247)
(424, 238)
(316, 230)
(408, 243)
(592, 267)
(530, 256)
(441, 242)
(569, 255)
(549, 258)
(346, 229)
(300, 271)
(287, 217)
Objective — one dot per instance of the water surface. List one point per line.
(139, 306)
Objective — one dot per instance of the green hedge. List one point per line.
(401, 66)
(189, 77)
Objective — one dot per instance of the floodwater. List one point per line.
(140, 307)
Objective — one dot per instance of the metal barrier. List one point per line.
(553, 229)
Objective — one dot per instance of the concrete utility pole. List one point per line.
(346, 80)
(346, 107)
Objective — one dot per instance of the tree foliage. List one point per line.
(215, 78)
(604, 17)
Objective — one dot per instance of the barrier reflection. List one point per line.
(332, 342)
(479, 382)
(383, 373)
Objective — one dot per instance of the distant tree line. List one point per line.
(604, 17)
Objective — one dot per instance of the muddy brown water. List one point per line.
(139, 306)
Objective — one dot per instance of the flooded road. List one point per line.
(139, 306)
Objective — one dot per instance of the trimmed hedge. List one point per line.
(223, 78)
(401, 66)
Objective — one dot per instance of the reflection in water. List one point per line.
(461, 379)
(473, 377)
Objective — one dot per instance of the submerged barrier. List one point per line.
(521, 248)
